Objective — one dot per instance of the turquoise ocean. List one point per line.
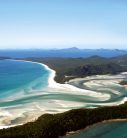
(103, 130)
(17, 76)
(25, 95)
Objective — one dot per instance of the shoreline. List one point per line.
(51, 81)
(53, 84)
(92, 126)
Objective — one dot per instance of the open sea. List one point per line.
(17, 76)
(20, 86)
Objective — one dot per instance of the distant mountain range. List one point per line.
(68, 52)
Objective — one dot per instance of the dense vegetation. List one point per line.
(87, 70)
(124, 82)
(55, 125)
(68, 68)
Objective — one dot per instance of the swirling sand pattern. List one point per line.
(90, 92)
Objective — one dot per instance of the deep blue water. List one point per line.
(16, 76)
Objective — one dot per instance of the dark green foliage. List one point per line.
(88, 70)
(81, 67)
(124, 82)
(53, 126)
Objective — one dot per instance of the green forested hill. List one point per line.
(52, 126)
(55, 125)
(81, 67)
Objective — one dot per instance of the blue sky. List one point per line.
(63, 23)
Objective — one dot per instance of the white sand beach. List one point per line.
(89, 92)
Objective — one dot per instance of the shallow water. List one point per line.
(25, 93)
(18, 80)
(103, 130)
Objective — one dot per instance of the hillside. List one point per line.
(81, 67)
(55, 125)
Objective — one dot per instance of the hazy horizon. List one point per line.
(60, 48)
(61, 24)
